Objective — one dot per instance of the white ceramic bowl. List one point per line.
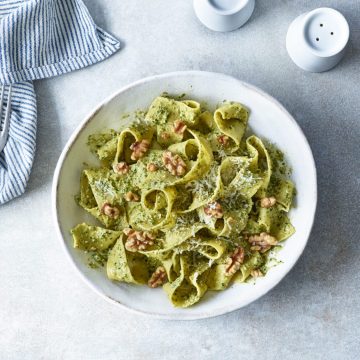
(268, 119)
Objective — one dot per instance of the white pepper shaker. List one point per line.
(224, 15)
(316, 41)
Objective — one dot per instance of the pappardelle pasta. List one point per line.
(186, 200)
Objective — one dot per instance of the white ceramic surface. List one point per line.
(224, 15)
(268, 119)
(316, 41)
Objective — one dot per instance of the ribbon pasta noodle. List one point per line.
(185, 200)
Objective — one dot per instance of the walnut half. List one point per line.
(158, 277)
(234, 261)
(139, 148)
(262, 242)
(268, 202)
(121, 168)
(110, 211)
(174, 163)
(214, 209)
(138, 240)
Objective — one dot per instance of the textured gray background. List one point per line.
(47, 312)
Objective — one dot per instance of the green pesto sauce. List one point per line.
(204, 242)
(97, 259)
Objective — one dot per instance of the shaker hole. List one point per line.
(321, 25)
(332, 33)
(317, 39)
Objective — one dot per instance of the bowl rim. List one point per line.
(76, 133)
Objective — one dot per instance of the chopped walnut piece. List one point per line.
(130, 196)
(139, 148)
(214, 209)
(179, 127)
(110, 211)
(121, 168)
(223, 139)
(158, 277)
(262, 242)
(174, 163)
(164, 135)
(256, 273)
(138, 240)
(234, 261)
(268, 202)
(151, 167)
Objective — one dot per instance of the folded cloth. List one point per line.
(39, 39)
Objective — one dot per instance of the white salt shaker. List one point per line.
(224, 15)
(316, 41)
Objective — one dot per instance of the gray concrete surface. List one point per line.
(47, 312)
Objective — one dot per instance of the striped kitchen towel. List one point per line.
(39, 39)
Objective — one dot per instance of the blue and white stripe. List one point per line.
(39, 39)
(17, 157)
